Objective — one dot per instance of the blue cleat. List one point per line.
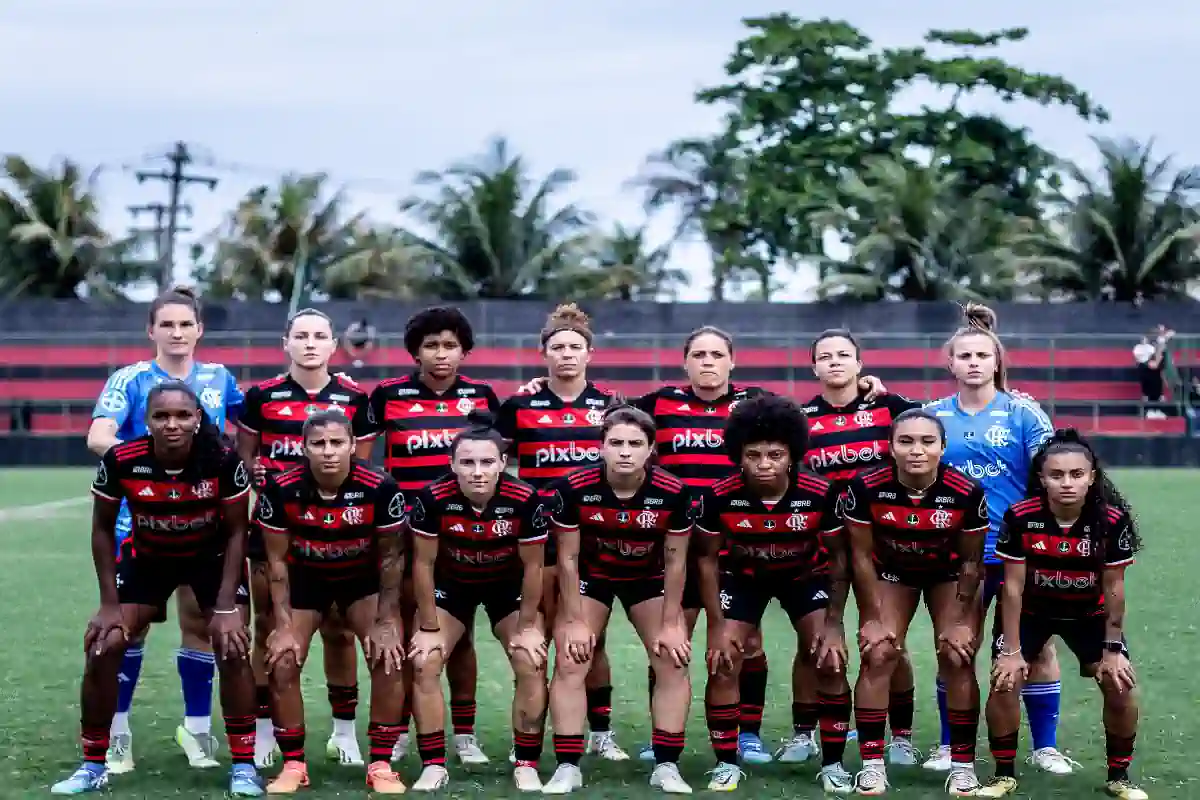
(244, 781)
(88, 778)
(647, 754)
(751, 750)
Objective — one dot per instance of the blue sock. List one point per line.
(1041, 709)
(131, 668)
(196, 670)
(943, 713)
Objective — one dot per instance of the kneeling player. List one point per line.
(916, 528)
(623, 530)
(334, 530)
(780, 526)
(479, 538)
(188, 498)
(1065, 551)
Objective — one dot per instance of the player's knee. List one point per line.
(753, 644)
(666, 673)
(571, 670)
(285, 675)
(1045, 665)
(427, 669)
(881, 659)
(524, 668)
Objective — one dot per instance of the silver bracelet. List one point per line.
(1012, 653)
(224, 611)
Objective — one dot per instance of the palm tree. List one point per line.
(51, 240)
(622, 266)
(487, 228)
(914, 235)
(387, 265)
(1132, 230)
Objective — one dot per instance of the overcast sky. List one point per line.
(374, 90)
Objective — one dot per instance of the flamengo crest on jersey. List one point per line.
(844, 441)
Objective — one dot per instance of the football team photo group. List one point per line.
(385, 522)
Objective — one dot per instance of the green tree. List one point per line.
(487, 228)
(621, 265)
(1130, 230)
(386, 265)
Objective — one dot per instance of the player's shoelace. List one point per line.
(902, 751)
(725, 774)
(871, 778)
(962, 781)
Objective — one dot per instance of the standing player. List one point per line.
(916, 528)
(780, 525)
(270, 438)
(175, 327)
(623, 528)
(555, 430)
(479, 536)
(188, 497)
(992, 435)
(334, 530)
(848, 433)
(1065, 551)
(418, 416)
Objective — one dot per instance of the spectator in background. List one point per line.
(1150, 355)
(359, 340)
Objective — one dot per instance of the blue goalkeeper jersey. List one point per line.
(123, 400)
(994, 446)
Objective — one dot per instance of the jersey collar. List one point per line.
(159, 372)
(958, 409)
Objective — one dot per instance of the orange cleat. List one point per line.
(291, 779)
(381, 779)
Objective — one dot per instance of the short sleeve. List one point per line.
(423, 514)
(681, 518)
(646, 402)
(1010, 544)
(235, 400)
(107, 483)
(269, 513)
(535, 521)
(391, 510)
(376, 411)
(116, 399)
(506, 419)
(235, 478)
(705, 513)
(1036, 427)
(493, 402)
(360, 422)
(831, 504)
(855, 506)
(251, 417)
(1119, 549)
(897, 404)
(564, 512)
(975, 520)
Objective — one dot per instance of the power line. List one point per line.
(176, 179)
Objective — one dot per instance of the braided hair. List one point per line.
(209, 444)
(1101, 494)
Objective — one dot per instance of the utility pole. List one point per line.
(176, 179)
(159, 229)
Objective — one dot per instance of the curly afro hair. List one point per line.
(766, 418)
(433, 321)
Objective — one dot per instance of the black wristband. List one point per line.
(438, 629)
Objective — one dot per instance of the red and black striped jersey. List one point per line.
(1064, 565)
(916, 533)
(174, 513)
(691, 432)
(554, 436)
(479, 545)
(418, 424)
(276, 410)
(621, 539)
(780, 538)
(844, 441)
(337, 538)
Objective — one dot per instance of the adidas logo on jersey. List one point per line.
(147, 492)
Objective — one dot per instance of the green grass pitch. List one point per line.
(48, 590)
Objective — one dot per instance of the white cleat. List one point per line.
(433, 777)
(871, 780)
(200, 748)
(604, 744)
(939, 759)
(566, 779)
(266, 750)
(834, 779)
(526, 779)
(725, 777)
(344, 750)
(798, 749)
(512, 755)
(400, 750)
(119, 759)
(1048, 759)
(666, 778)
(466, 747)
(962, 782)
(901, 753)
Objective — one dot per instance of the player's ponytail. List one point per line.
(209, 444)
(481, 427)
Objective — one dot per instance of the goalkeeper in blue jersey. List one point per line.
(992, 436)
(175, 327)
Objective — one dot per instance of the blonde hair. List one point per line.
(567, 317)
(979, 320)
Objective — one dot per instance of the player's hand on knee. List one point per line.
(229, 635)
(1007, 670)
(875, 639)
(281, 644)
(100, 629)
(580, 641)
(533, 642)
(424, 646)
(828, 651)
(958, 644)
(672, 642)
(1115, 672)
(385, 644)
(726, 647)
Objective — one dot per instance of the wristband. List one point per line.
(1011, 653)
(438, 629)
(225, 611)
(1114, 646)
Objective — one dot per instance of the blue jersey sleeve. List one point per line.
(119, 396)
(1036, 426)
(235, 399)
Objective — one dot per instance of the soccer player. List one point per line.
(848, 434)
(917, 528)
(780, 525)
(478, 539)
(270, 440)
(555, 430)
(1065, 551)
(188, 498)
(623, 529)
(418, 415)
(992, 435)
(335, 536)
(175, 327)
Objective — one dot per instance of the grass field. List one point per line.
(48, 590)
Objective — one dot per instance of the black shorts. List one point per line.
(921, 580)
(150, 581)
(629, 592)
(311, 591)
(745, 597)
(459, 599)
(1084, 637)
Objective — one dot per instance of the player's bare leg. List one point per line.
(1004, 725)
(462, 675)
(530, 699)
(265, 749)
(752, 698)
(568, 700)
(721, 700)
(803, 743)
(408, 610)
(387, 701)
(962, 693)
(691, 617)
(341, 685)
(900, 751)
(428, 704)
(834, 704)
(287, 706)
(671, 701)
(197, 668)
(601, 740)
